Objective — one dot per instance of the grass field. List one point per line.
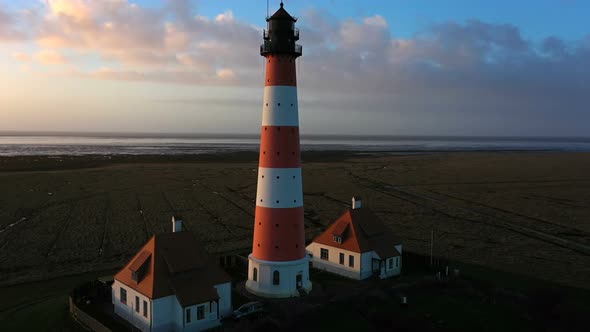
(523, 214)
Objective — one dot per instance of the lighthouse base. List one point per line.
(278, 279)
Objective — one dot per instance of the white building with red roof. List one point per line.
(357, 245)
(172, 284)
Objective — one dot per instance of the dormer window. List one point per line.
(338, 238)
(139, 266)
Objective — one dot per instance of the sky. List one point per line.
(396, 67)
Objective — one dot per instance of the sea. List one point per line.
(78, 144)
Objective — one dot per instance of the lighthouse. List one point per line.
(278, 265)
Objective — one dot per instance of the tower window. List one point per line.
(291, 105)
(279, 104)
(263, 176)
(277, 201)
(276, 225)
(294, 201)
(276, 278)
(259, 244)
(255, 274)
(278, 177)
(261, 199)
(267, 104)
(259, 223)
(278, 153)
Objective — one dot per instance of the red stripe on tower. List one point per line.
(278, 265)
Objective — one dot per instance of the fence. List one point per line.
(85, 319)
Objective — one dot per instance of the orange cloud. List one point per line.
(50, 57)
(22, 57)
(79, 10)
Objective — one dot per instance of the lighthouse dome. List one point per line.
(282, 14)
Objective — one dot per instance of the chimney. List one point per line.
(356, 202)
(176, 224)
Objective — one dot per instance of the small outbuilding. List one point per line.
(357, 245)
(172, 284)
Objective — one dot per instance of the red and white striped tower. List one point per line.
(278, 265)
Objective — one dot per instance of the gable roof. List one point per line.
(361, 231)
(175, 264)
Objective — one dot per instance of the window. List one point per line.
(144, 309)
(342, 258)
(276, 278)
(137, 304)
(200, 312)
(390, 263)
(397, 262)
(255, 274)
(123, 295)
(324, 254)
(351, 260)
(337, 239)
(188, 315)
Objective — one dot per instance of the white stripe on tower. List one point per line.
(279, 188)
(280, 106)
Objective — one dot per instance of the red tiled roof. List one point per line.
(365, 232)
(340, 228)
(176, 265)
(140, 260)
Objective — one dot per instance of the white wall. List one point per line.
(210, 319)
(396, 269)
(363, 262)
(127, 310)
(367, 264)
(225, 300)
(333, 263)
(288, 271)
(167, 314)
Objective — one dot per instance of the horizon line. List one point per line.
(139, 134)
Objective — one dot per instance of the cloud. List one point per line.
(467, 75)
(22, 57)
(50, 57)
(226, 74)
(78, 10)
